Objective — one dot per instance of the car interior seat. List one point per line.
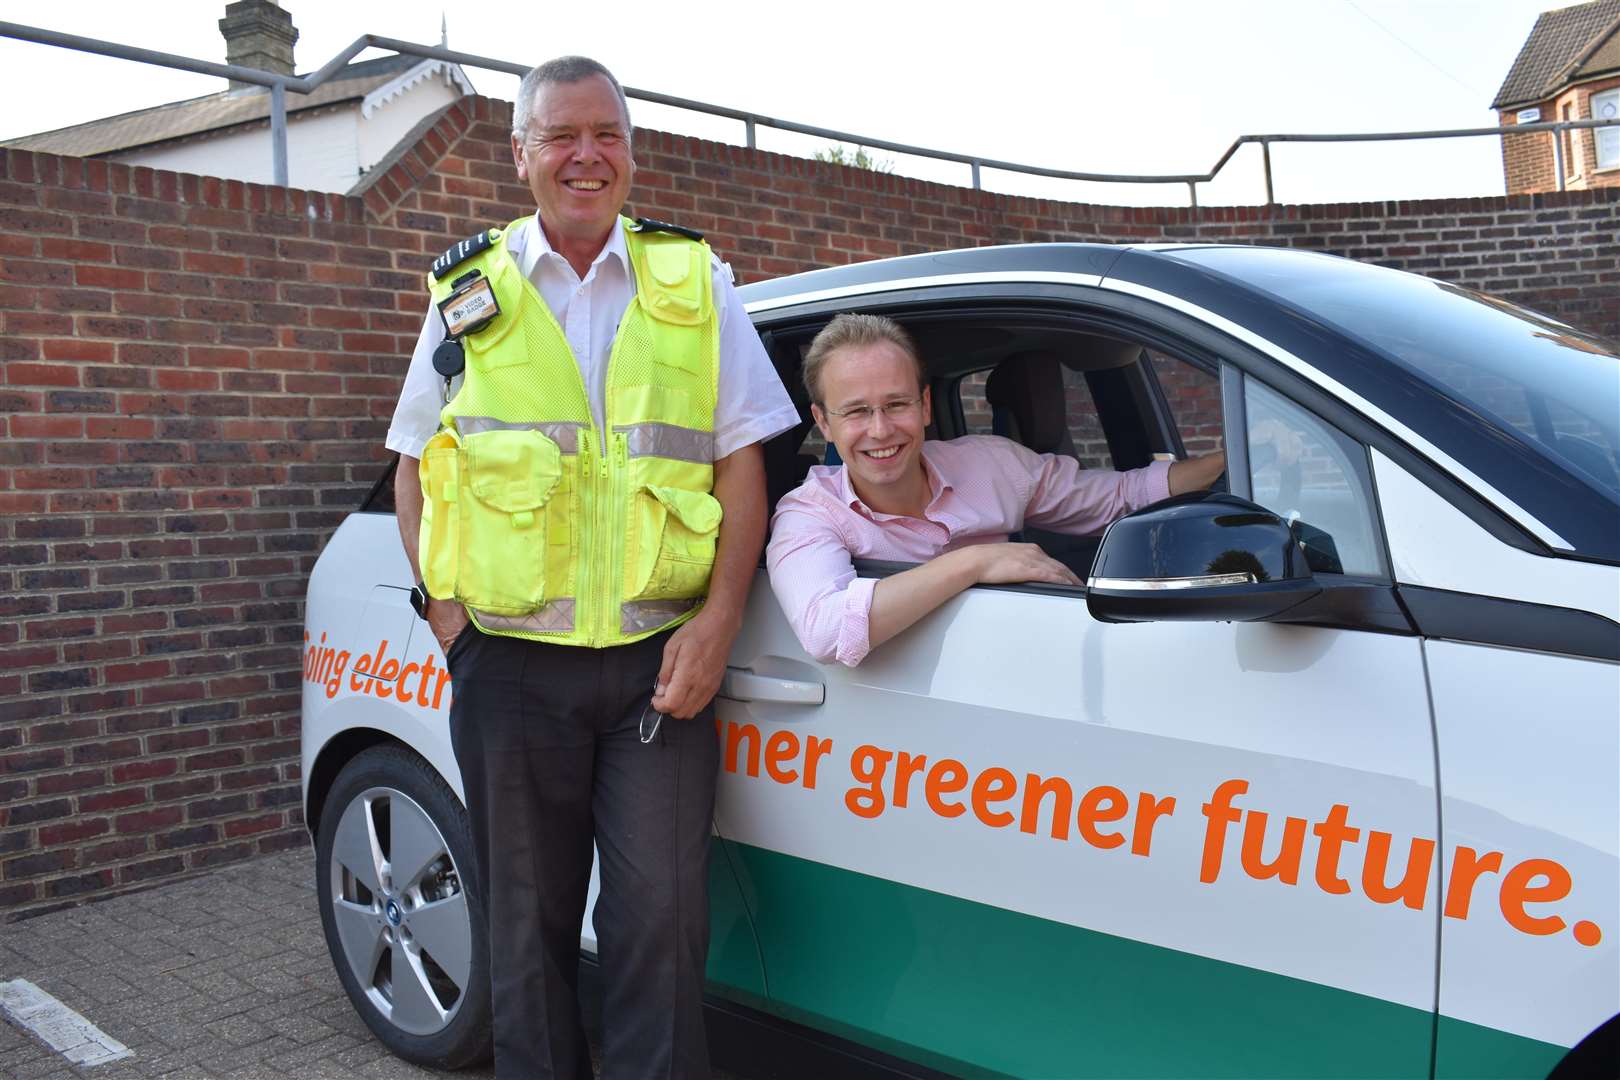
(1029, 405)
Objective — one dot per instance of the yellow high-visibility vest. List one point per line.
(543, 525)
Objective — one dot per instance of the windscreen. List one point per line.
(1551, 386)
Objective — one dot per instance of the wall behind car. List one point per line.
(198, 377)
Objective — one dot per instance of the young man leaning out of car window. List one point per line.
(947, 505)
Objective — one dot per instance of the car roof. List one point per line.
(939, 266)
(960, 262)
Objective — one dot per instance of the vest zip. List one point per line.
(616, 553)
(588, 497)
(606, 629)
(602, 600)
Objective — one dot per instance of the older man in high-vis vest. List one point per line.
(582, 489)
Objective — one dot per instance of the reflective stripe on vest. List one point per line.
(642, 617)
(556, 617)
(545, 525)
(668, 441)
(565, 433)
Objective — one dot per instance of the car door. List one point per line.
(1018, 840)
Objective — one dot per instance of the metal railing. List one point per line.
(279, 85)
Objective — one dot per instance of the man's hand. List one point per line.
(1286, 443)
(447, 619)
(1007, 564)
(903, 598)
(694, 663)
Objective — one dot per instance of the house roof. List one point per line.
(1561, 47)
(229, 108)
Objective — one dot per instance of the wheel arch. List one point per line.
(339, 750)
(1596, 1055)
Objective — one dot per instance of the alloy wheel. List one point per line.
(400, 909)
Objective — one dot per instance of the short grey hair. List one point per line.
(852, 329)
(561, 71)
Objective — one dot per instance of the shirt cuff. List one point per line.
(401, 443)
(1155, 483)
(854, 629)
(754, 431)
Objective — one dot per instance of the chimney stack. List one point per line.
(258, 34)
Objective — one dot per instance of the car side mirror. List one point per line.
(1200, 557)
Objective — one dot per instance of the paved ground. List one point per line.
(220, 976)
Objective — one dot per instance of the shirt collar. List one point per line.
(938, 486)
(529, 247)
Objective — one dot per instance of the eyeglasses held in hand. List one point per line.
(650, 719)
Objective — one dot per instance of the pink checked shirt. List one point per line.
(984, 488)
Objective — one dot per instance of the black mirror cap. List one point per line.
(1204, 557)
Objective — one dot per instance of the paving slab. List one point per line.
(221, 975)
(224, 976)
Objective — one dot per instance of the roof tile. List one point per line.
(1558, 40)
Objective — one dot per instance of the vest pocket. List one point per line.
(671, 551)
(510, 476)
(438, 540)
(482, 355)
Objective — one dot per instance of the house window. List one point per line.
(1606, 106)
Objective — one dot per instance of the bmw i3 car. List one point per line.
(1318, 775)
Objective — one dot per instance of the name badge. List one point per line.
(470, 308)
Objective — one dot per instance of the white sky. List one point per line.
(1146, 87)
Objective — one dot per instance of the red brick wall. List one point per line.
(197, 378)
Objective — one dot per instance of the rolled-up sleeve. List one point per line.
(826, 604)
(1066, 498)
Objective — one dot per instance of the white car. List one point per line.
(1319, 776)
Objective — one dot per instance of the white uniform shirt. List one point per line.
(752, 404)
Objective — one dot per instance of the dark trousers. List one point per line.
(551, 758)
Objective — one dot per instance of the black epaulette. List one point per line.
(646, 224)
(460, 253)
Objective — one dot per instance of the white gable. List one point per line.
(405, 80)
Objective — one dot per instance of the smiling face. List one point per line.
(883, 453)
(576, 160)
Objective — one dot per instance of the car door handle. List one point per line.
(740, 684)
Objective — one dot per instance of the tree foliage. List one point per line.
(857, 158)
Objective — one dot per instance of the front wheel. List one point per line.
(393, 861)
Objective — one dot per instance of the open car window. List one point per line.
(1050, 382)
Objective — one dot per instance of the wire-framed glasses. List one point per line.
(650, 719)
(861, 415)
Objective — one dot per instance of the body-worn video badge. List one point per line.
(470, 307)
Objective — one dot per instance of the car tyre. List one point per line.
(394, 866)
